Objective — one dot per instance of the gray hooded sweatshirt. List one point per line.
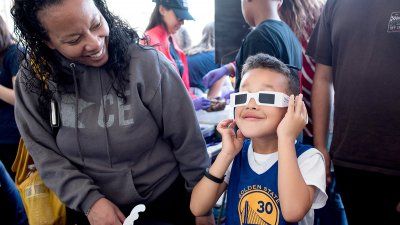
(129, 153)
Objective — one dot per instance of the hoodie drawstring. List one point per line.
(104, 121)
(72, 65)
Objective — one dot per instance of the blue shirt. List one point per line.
(254, 198)
(175, 56)
(271, 37)
(199, 65)
(8, 128)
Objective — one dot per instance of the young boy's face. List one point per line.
(257, 121)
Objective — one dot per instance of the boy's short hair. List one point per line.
(265, 61)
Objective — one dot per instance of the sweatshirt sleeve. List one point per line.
(173, 110)
(74, 188)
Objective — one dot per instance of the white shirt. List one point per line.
(312, 168)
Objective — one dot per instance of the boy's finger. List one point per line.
(305, 114)
(224, 123)
(299, 104)
(225, 128)
(232, 124)
(291, 104)
(239, 135)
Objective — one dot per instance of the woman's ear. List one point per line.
(162, 10)
(280, 4)
(50, 44)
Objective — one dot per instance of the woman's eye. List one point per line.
(74, 42)
(96, 26)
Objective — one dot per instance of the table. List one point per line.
(214, 150)
(214, 118)
(209, 120)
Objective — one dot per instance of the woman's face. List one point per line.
(171, 21)
(77, 30)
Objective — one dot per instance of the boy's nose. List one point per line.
(252, 104)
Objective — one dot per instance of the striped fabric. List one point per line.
(306, 81)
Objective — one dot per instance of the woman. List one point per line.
(97, 112)
(201, 60)
(167, 18)
(302, 16)
(9, 135)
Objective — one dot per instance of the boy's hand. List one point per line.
(231, 143)
(295, 119)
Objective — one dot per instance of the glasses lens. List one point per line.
(266, 98)
(240, 99)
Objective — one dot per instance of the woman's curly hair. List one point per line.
(41, 60)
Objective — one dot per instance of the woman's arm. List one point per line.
(7, 94)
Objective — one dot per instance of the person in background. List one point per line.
(9, 65)
(270, 35)
(358, 55)
(107, 121)
(182, 38)
(201, 60)
(302, 16)
(167, 18)
(11, 208)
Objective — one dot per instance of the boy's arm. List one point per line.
(206, 193)
(295, 195)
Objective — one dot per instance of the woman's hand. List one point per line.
(104, 212)
(295, 119)
(231, 143)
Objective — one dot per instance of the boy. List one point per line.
(261, 190)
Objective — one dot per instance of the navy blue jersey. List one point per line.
(253, 198)
(199, 65)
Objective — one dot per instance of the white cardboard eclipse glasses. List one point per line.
(265, 98)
